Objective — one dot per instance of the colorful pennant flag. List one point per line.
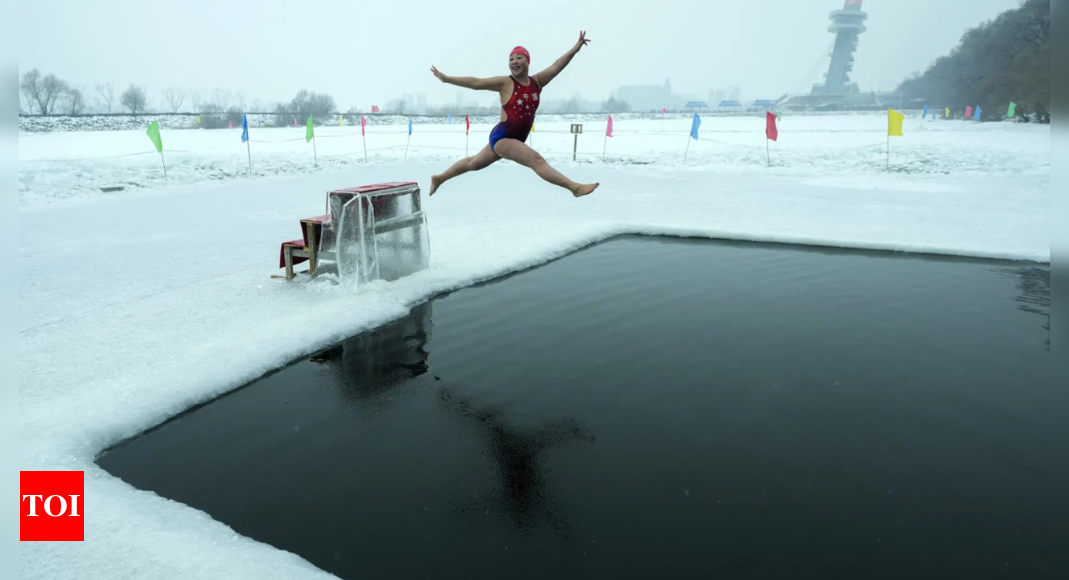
(374, 108)
(979, 112)
(341, 120)
(697, 122)
(1012, 110)
(771, 132)
(968, 111)
(410, 127)
(608, 130)
(363, 123)
(309, 133)
(245, 129)
(894, 123)
(449, 118)
(925, 115)
(154, 135)
(947, 113)
(467, 124)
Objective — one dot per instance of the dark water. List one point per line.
(653, 408)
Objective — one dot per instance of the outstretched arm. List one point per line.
(490, 84)
(554, 69)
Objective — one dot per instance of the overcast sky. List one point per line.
(365, 53)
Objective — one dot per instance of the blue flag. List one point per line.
(925, 115)
(449, 118)
(694, 126)
(410, 127)
(978, 111)
(244, 128)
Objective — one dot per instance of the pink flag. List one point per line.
(374, 108)
(295, 122)
(663, 111)
(968, 111)
(771, 132)
(363, 123)
(467, 124)
(608, 130)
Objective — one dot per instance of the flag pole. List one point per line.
(604, 147)
(164, 166)
(888, 151)
(768, 153)
(687, 151)
(406, 145)
(466, 139)
(364, 139)
(248, 149)
(315, 155)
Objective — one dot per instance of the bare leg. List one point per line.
(517, 151)
(480, 160)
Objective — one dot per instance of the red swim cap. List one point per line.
(523, 51)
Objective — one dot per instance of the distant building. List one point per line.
(648, 97)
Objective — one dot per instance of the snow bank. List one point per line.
(135, 306)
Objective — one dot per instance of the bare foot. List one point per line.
(436, 182)
(584, 189)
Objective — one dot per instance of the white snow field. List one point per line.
(136, 305)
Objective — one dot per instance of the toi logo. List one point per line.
(52, 506)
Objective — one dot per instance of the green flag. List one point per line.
(154, 134)
(308, 133)
(1013, 109)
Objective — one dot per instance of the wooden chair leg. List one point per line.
(313, 258)
(289, 262)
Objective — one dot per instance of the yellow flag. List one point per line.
(342, 119)
(532, 127)
(894, 123)
(948, 113)
(198, 118)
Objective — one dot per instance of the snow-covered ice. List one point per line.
(135, 305)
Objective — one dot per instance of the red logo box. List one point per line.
(52, 506)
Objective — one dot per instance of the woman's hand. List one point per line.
(583, 41)
(440, 76)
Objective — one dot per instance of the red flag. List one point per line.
(374, 108)
(608, 130)
(467, 124)
(363, 123)
(770, 126)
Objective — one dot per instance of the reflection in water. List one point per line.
(1034, 285)
(375, 362)
(518, 453)
(367, 367)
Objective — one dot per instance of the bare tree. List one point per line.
(41, 91)
(51, 90)
(240, 101)
(196, 99)
(221, 98)
(174, 97)
(106, 92)
(30, 86)
(74, 101)
(134, 99)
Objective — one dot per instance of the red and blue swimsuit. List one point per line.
(519, 113)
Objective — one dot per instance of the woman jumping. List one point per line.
(519, 100)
